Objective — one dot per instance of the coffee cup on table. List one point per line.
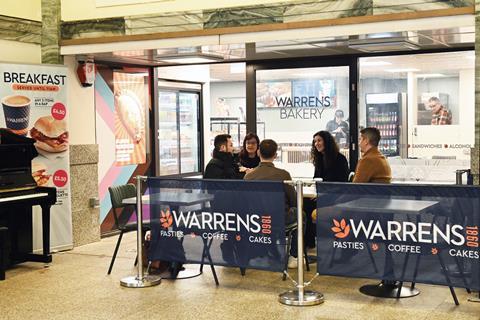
(16, 109)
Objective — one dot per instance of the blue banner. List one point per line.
(415, 233)
(225, 222)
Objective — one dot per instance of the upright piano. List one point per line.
(18, 193)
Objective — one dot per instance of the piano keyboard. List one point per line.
(23, 197)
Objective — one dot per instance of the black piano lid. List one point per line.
(16, 154)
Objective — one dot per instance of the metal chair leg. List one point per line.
(445, 272)
(372, 259)
(287, 254)
(399, 290)
(307, 264)
(115, 252)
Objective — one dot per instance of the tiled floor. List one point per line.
(75, 286)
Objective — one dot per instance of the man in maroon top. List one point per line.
(440, 115)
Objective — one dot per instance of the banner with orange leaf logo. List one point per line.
(424, 234)
(228, 223)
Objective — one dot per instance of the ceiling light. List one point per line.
(374, 63)
(382, 45)
(430, 75)
(189, 58)
(310, 74)
(403, 70)
(135, 53)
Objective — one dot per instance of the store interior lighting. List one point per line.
(374, 63)
(430, 75)
(403, 70)
(190, 58)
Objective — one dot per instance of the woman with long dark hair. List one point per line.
(330, 164)
(248, 157)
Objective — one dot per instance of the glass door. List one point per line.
(295, 103)
(168, 133)
(179, 141)
(189, 133)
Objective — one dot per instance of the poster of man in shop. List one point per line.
(34, 104)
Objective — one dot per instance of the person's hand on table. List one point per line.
(246, 170)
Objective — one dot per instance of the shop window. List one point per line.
(179, 137)
(228, 102)
(294, 104)
(423, 105)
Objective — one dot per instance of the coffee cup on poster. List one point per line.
(16, 109)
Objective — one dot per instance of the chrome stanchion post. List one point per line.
(140, 280)
(300, 297)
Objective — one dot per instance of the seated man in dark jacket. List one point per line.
(266, 171)
(223, 164)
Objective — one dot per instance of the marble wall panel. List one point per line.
(319, 10)
(50, 32)
(396, 6)
(16, 29)
(164, 23)
(92, 28)
(281, 12)
(243, 16)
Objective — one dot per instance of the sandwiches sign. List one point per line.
(421, 234)
(34, 104)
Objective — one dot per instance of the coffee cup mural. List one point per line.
(16, 109)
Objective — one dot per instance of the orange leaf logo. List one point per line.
(434, 251)
(341, 229)
(375, 247)
(166, 219)
(238, 237)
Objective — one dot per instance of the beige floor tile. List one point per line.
(76, 286)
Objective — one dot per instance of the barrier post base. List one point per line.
(136, 282)
(292, 298)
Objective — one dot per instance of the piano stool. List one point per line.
(3, 251)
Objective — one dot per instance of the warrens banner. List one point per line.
(230, 223)
(402, 232)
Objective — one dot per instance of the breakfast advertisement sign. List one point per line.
(34, 104)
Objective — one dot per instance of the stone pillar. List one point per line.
(51, 32)
(84, 185)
